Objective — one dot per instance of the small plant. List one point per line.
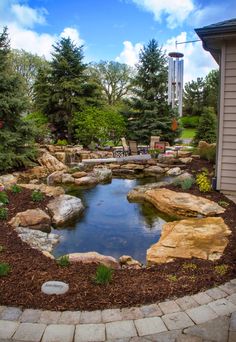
(62, 142)
(221, 269)
(154, 152)
(185, 184)
(37, 196)
(16, 189)
(203, 181)
(4, 269)
(3, 213)
(172, 277)
(63, 261)
(103, 275)
(223, 204)
(189, 266)
(2, 248)
(3, 197)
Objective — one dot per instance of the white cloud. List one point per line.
(20, 20)
(175, 11)
(197, 61)
(130, 53)
(27, 16)
(73, 34)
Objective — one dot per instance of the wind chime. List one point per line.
(175, 80)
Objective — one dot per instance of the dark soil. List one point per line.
(30, 269)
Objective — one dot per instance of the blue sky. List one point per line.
(115, 29)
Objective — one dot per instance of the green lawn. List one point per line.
(188, 133)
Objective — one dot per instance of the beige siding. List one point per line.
(226, 169)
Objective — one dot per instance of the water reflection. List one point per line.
(110, 224)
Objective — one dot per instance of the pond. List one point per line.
(110, 225)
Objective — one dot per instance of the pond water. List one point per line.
(110, 225)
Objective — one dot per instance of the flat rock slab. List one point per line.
(54, 287)
(178, 204)
(204, 238)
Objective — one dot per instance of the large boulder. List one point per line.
(94, 257)
(8, 180)
(46, 189)
(126, 261)
(176, 171)
(64, 208)
(51, 163)
(86, 181)
(79, 174)
(204, 238)
(102, 175)
(154, 170)
(36, 172)
(178, 204)
(32, 219)
(58, 177)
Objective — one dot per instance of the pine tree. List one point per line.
(151, 114)
(207, 127)
(15, 135)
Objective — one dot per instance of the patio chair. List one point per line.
(133, 147)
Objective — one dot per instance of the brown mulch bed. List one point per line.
(30, 269)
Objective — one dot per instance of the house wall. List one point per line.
(226, 165)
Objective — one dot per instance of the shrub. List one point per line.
(203, 181)
(223, 204)
(207, 151)
(206, 129)
(3, 213)
(37, 196)
(189, 266)
(3, 197)
(62, 142)
(185, 184)
(189, 121)
(16, 189)
(63, 261)
(4, 269)
(103, 275)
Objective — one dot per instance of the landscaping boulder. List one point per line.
(102, 175)
(32, 219)
(183, 177)
(88, 180)
(8, 180)
(51, 163)
(136, 167)
(126, 261)
(64, 208)
(46, 189)
(36, 172)
(154, 170)
(178, 204)
(94, 257)
(79, 174)
(186, 160)
(58, 177)
(38, 239)
(204, 238)
(176, 171)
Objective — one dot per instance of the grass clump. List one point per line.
(3, 197)
(4, 269)
(223, 204)
(37, 196)
(103, 275)
(63, 261)
(2, 248)
(3, 213)
(172, 277)
(221, 269)
(16, 189)
(189, 266)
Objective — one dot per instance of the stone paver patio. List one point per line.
(206, 316)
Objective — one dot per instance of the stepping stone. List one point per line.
(54, 287)
(215, 330)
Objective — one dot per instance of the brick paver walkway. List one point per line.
(207, 316)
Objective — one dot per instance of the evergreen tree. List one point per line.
(207, 127)
(193, 99)
(15, 135)
(151, 114)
